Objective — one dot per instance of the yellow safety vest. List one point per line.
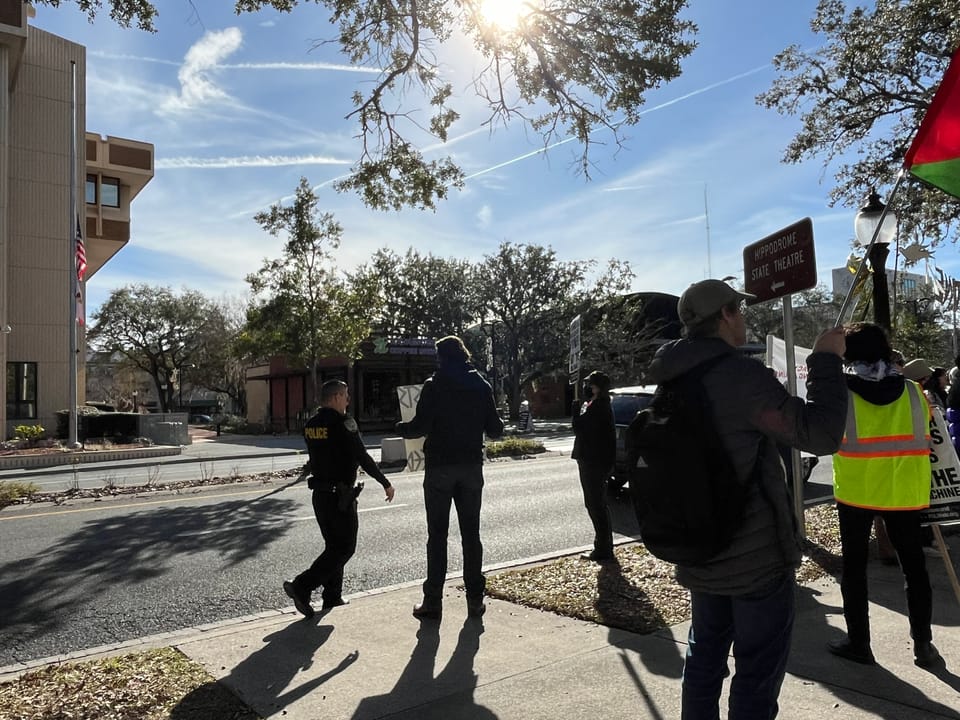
(884, 460)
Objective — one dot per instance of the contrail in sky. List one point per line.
(662, 105)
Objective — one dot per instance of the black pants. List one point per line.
(904, 529)
(461, 485)
(593, 480)
(339, 529)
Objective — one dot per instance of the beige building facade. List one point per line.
(37, 222)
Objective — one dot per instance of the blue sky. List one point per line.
(238, 108)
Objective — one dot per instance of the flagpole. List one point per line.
(863, 265)
(72, 246)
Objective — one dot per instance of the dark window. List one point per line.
(110, 192)
(21, 390)
(91, 189)
(625, 407)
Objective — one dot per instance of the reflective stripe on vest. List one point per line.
(917, 442)
(885, 471)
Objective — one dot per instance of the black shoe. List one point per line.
(476, 608)
(594, 556)
(300, 601)
(857, 652)
(925, 655)
(331, 604)
(424, 611)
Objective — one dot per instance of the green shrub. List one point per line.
(514, 447)
(11, 491)
(28, 432)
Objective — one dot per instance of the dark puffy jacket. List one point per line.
(749, 403)
(455, 409)
(595, 441)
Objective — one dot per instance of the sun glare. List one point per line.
(505, 14)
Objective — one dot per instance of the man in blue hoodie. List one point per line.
(744, 596)
(456, 408)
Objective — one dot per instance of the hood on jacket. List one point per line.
(679, 356)
(877, 392)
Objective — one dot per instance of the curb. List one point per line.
(17, 462)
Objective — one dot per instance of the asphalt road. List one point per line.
(89, 573)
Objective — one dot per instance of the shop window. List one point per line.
(91, 189)
(21, 390)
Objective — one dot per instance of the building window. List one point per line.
(110, 192)
(21, 390)
(91, 189)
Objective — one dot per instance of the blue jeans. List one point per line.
(461, 485)
(759, 626)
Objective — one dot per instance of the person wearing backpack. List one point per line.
(595, 449)
(882, 468)
(744, 595)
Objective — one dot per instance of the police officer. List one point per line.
(336, 450)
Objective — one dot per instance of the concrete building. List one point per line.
(37, 224)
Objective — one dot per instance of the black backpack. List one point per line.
(684, 487)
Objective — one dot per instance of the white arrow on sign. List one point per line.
(777, 285)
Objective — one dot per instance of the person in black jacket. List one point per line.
(455, 409)
(594, 449)
(336, 451)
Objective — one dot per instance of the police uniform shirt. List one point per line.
(336, 450)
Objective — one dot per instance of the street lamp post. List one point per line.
(877, 225)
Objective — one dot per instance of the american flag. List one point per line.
(81, 254)
(81, 271)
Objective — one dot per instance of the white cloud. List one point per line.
(202, 59)
(185, 163)
(485, 216)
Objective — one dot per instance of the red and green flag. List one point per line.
(934, 155)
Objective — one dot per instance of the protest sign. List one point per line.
(944, 475)
(409, 395)
(777, 359)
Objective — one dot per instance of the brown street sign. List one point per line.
(781, 263)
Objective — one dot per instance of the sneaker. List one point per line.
(857, 652)
(300, 601)
(425, 611)
(925, 655)
(331, 604)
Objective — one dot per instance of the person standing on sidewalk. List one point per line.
(882, 468)
(744, 597)
(595, 450)
(336, 451)
(456, 408)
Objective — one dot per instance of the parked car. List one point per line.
(626, 403)
(200, 420)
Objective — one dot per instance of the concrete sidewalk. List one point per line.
(372, 659)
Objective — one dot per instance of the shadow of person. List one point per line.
(266, 678)
(421, 693)
(619, 603)
(874, 688)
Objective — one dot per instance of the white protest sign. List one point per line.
(944, 474)
(409, 395)
(777, 359)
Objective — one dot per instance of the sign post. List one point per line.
(777, 266)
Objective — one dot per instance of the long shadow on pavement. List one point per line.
(448, 694)
(889, 693)
(122, 552)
